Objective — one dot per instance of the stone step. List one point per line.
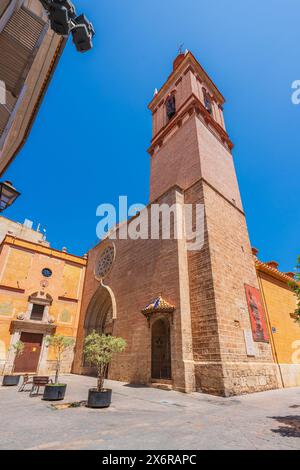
(162, 386)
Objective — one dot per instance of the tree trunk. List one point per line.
(57, 372)
(4, 368)
(100, 382)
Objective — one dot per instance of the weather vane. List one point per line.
(180, 49)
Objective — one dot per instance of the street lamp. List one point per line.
(8, 195)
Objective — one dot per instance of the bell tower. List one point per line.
(188, 126)
(191, 149)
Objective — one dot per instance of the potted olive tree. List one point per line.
(60, 345)
(12, 379)
(99, 350)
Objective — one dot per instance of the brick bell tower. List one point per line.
(190, 148)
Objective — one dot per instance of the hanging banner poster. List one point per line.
(257, 315)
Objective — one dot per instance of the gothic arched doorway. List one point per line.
(161, 350)
(100, 312)
(100, 316)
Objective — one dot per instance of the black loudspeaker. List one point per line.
(59, 19)
(83, 33)
(82, 38)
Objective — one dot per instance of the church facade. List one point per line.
(40, 295)
(193, 320)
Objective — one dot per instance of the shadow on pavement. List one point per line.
(291, 428)
(135, 386)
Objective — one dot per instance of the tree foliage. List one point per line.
(18, 349)
(59, 344)
(296, 288)
(99, 350)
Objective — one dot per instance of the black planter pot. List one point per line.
(99, 399)
(54, 392)
(11, 380)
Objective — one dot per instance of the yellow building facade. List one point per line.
(280, 304)
(40, 295)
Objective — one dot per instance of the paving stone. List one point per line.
(148, 418)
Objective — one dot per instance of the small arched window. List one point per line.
(170, 107)
(207, 101)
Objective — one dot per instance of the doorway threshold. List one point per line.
(162, 384)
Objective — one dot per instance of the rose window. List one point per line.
(104, 262)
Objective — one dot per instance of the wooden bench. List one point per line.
(37, 382)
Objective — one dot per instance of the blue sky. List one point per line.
(88, 144)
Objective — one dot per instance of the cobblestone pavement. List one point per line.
(147, 418)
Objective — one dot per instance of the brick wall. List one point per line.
(143, 270)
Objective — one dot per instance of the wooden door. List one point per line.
(28, 361)
(161, 351)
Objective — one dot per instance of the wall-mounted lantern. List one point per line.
(8, 195)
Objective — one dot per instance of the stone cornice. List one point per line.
(38, 248)
(12, 289)
(67, 299)
(34, 326)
